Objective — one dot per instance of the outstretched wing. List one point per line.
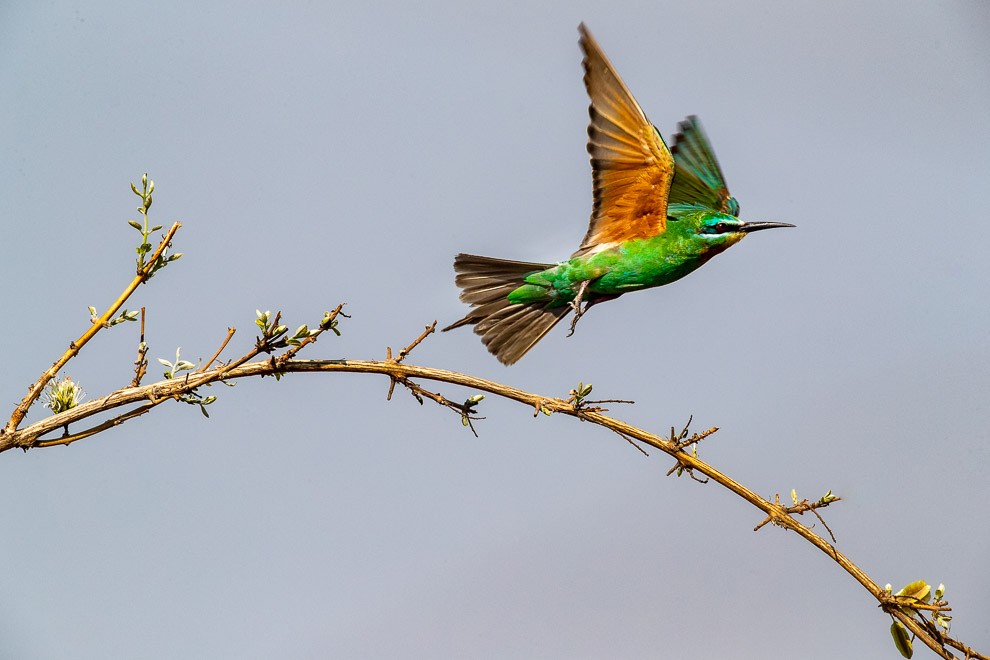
(631, 166)
(698, 179)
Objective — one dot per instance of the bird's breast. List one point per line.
(647, 263)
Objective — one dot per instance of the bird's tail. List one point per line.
(507, 330)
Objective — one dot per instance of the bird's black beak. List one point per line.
(759, 226)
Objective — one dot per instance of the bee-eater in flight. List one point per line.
(658, 215)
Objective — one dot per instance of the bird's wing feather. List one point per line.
(631, 166)
(698, 178)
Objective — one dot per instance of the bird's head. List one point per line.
(721, 230)
(719, 224)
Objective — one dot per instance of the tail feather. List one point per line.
(507, 330)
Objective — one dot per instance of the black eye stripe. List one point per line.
(720, 228)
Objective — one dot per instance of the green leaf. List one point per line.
(917, 589)
(902, 639)
(827, 497)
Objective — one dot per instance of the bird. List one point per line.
(658, 214)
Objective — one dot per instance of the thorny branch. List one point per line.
(465, 410)
(681, 441)
(801, 507)
(397, 371)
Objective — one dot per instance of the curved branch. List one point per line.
(402, 373)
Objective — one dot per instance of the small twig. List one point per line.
(695, 439)
(223, 345)
(419, 393)
(99, 428)
(471, 424)
(890, 602)
(800, 509)
(325, 325)
(956, 644)
(263, 344)
(430, 329)
(678, 442)
(682, 467)
(825, 524)
(915, 604)
(629, 440)
(592, 406)
(769, 518)
(141, 364)
(401, 356)
(580, 403)
(691, 474)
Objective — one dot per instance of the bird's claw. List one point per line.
(576, 306)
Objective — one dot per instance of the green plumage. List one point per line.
(633, 265)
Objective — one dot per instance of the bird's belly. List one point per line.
(629, 267)
(643, 272)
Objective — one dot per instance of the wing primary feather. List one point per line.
(698, 178)
(632, 168)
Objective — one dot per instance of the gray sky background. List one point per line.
(319, 154)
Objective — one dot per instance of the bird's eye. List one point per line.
(717, 228)
(721, 227)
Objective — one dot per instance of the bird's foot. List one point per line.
(576, 305)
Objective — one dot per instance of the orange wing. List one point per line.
(631, 166)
